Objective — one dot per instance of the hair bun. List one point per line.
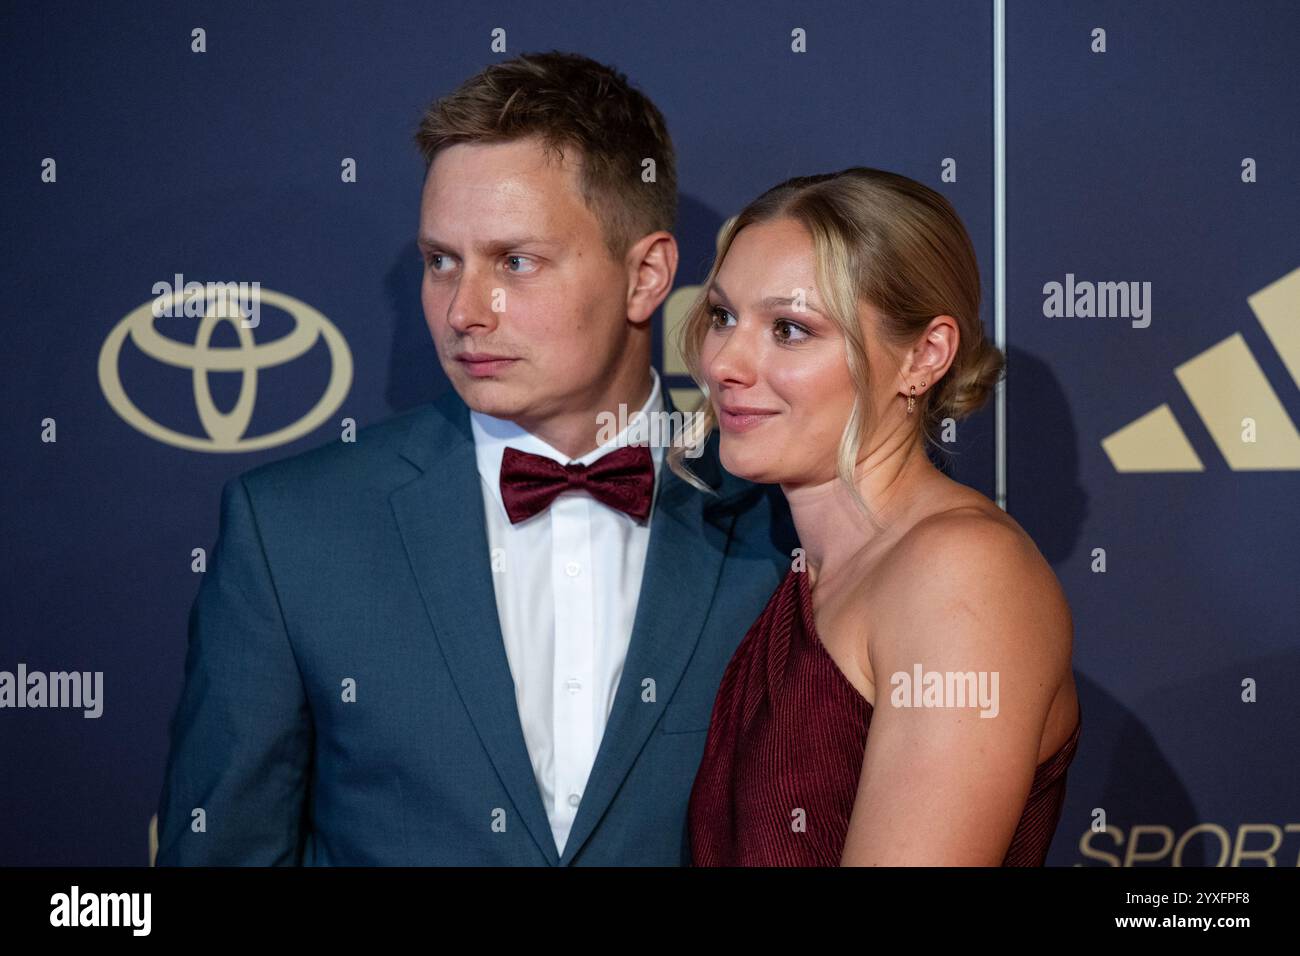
(966, 392)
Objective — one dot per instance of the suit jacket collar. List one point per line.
(442, 507)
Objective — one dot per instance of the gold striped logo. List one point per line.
(1231, 394)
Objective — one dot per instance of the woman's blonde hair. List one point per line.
(891, 242)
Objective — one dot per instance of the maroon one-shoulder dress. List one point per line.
(789, 731)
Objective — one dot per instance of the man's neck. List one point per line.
(576, 434)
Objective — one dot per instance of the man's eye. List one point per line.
(528, 264)
(796, 333)
(715, 312)
(435, 260)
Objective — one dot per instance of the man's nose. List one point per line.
(471, 304)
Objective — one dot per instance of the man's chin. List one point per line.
(490, 396)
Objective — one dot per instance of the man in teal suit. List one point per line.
(485, 633)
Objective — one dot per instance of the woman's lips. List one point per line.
(484, 367)
(742, 421)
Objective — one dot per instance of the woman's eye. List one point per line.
(717, 311)
(790, 336)
(524, 259)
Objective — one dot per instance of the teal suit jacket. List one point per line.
(365, 566)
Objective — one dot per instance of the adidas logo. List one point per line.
(1232, 396)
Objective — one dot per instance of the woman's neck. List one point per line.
(832, 528)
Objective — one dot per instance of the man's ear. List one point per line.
(651, 267)
(932, 356)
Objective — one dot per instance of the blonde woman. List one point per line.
(906, 696)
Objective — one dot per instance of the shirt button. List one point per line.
(573, 684)
(574, 799)
(572, 569)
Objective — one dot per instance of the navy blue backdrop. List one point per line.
(1150, 448)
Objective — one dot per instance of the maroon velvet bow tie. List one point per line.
(623, 479)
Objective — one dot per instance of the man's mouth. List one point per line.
(484, 364)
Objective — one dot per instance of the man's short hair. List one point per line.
(570, 101)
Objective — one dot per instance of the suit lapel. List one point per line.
(440, 517)
(688, 539)
(447, 549)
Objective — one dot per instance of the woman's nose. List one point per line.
(734, 359)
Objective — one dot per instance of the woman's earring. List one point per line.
(911, 400)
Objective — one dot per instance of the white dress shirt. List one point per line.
(567, 582)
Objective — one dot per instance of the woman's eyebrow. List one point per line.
(771, 302)
(778, 302)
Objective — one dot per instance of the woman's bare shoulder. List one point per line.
(977, 555)
(969, 522)
(967, 583)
